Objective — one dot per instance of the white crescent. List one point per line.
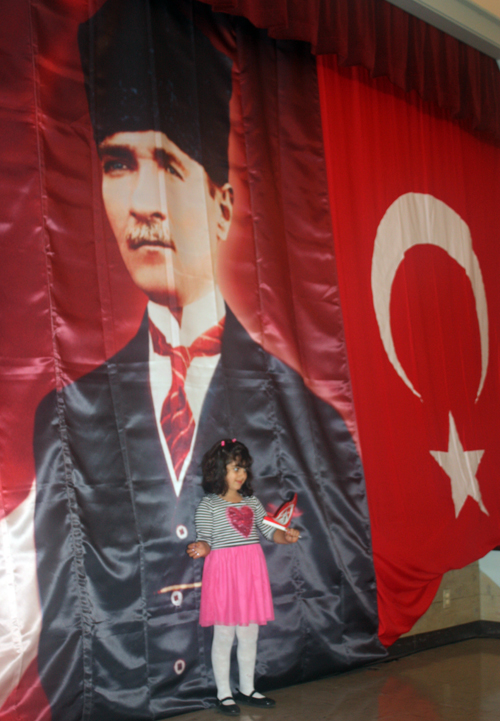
(419, 219)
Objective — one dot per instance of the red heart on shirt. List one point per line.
(241, 519)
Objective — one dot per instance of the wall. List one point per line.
(464, 595)
(489, 586)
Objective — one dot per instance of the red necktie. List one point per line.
(177, 419)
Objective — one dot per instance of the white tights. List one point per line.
(246, 653)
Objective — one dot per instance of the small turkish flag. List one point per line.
(282, 517)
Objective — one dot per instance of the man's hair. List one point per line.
(148, 66)
(214, 465)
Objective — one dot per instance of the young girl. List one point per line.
(235, 595)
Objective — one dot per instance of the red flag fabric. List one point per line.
(414, 199)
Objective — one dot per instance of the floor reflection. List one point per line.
(460, 682)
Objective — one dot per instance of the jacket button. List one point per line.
(182, 532)
(176, 598)
(179, 666)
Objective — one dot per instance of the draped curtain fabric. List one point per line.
(414, 197)
(70, 314)
(387, 41)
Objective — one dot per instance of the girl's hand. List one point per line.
(200, 549)
(291, 535)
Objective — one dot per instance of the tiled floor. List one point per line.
(460, 682)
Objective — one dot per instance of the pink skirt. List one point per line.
(235, 589)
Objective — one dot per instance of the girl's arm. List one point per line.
(291, 535)
(204, 529)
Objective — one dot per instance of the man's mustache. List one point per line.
(149, 234)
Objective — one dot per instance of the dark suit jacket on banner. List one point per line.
(110, 533)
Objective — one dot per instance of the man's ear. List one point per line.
(225, 198)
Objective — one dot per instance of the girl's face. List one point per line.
(236, 475)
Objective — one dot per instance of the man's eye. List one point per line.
(172, 170)
(114, 166)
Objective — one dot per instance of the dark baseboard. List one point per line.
(442, 637)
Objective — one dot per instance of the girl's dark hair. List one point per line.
(214, 465)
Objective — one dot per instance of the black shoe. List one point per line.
(229, 709)
(254, 701)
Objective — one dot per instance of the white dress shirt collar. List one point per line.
(196, 318)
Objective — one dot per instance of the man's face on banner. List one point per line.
(166, 214)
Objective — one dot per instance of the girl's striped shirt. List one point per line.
(222, 524)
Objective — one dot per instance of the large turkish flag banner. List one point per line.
(414, 199)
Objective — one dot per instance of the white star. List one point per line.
(461, 467)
